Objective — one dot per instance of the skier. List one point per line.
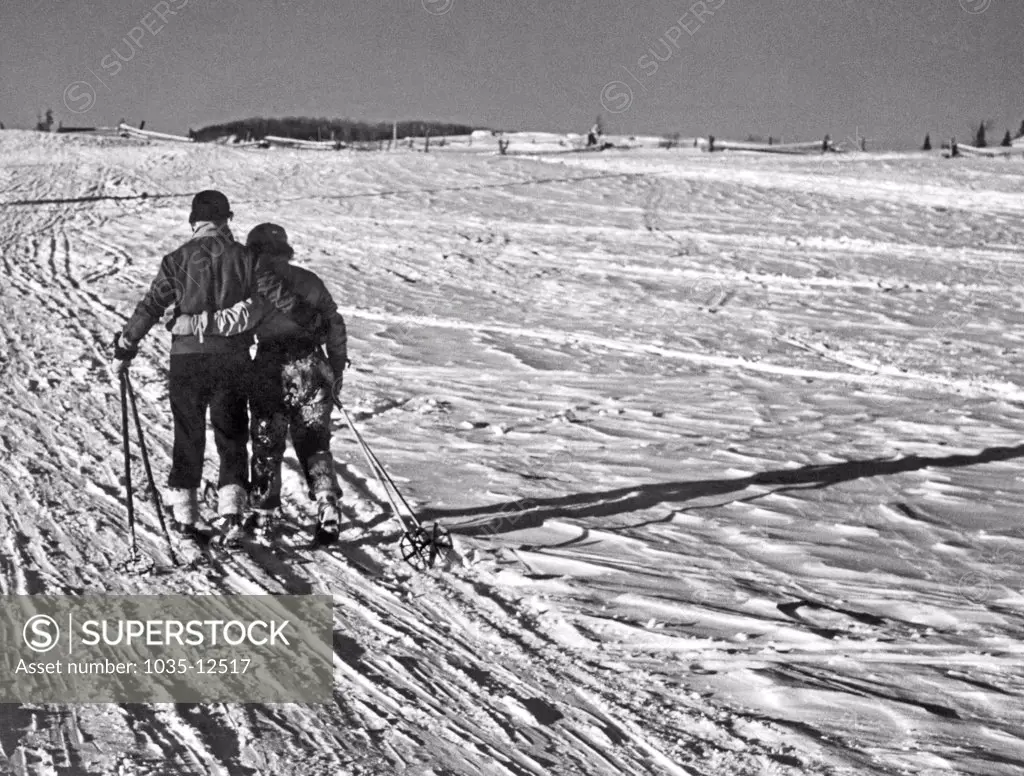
(293, 385)
(210, 271)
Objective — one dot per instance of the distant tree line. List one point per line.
(980, 136)
(345, 130)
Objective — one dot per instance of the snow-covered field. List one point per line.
(731, 444)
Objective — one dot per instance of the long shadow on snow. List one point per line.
(532, 512)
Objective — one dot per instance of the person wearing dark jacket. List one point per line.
(211, 271)
(294, 385)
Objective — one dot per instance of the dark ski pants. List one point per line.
(290, 394)
(218, 382)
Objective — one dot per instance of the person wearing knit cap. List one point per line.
(294, 387)
(209, 272)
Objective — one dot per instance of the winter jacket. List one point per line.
(210, 272)
(275, 326)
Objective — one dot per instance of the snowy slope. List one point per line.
(730, 442)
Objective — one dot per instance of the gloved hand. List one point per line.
(337, 383)
(123, 350)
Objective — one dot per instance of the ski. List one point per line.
(288, 542)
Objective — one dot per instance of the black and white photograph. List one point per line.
(512, 388)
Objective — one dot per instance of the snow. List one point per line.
(729, 444)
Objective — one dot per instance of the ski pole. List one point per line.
(413, 540)
(149, 470)
(380, 471)
(127, 458)
(416, 539)
(398, 494)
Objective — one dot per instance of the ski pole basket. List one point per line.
(420, 547)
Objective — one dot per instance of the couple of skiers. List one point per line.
(223, 293)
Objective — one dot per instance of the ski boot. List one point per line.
(265, 525)
(335, 521)
(186, 520)
(232, 524)
(329, 518)
(231, 530)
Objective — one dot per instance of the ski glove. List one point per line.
(123, 350)
(337, 366)
(336, 389)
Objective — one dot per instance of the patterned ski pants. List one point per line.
(291, 393)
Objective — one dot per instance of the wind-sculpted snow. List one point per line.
(729, 443)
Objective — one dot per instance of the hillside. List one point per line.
(730, 444)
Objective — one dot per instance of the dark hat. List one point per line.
(210, 205)
(269, 238)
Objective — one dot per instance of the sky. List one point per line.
(890, 70)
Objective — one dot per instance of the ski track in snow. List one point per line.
(729, 444)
